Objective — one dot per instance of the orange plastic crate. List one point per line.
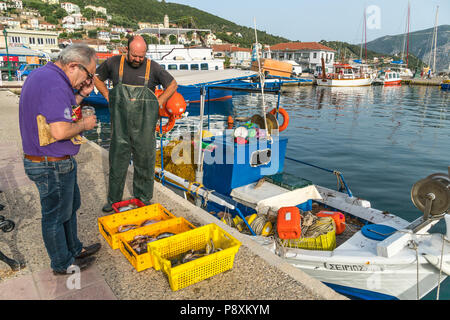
(108, 225)
(144, 261)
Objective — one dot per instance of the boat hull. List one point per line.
(344, 82)
(190, 93)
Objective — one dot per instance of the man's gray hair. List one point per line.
(80, 53)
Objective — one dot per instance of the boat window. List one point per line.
(173, 67)
(204, 66)
(217, 67)
(163, 66)
(194, 66)
(184, 67)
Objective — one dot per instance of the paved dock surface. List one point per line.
(256, 274)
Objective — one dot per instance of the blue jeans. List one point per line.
(60, 200)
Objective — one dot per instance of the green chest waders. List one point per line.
(134, 113)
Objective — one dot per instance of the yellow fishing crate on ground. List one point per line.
(109, 225)
(183, 275)
(144, 261)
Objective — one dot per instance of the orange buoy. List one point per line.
(230, 122)
(285, 115)
(172, 109)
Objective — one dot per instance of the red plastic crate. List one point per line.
(116, 206)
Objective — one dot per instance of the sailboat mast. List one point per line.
(365, 35)
(407, 42)
(435, 41)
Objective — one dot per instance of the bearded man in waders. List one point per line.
(134, 110)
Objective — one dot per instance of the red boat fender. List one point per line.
(289, 223)
(338, 217)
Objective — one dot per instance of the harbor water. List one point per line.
(382, 139)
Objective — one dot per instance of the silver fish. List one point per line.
(127, 227)
(148, 222)
(164, 235)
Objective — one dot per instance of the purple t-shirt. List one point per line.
(47, 91)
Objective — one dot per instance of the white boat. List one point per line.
(378, 255)
(403, 71)
(344, 76)
(388, 78)
(177, 57)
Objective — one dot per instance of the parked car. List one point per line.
(25, 70)
(14, 66)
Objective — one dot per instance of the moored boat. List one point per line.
(388, 78)
(378, 256)
(344, 76)
(445, 85)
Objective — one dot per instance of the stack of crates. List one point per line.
(159, 252)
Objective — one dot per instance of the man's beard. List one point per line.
(134, 64)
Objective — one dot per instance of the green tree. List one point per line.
(92, 34)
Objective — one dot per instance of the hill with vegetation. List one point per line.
(152, 11)
(347, 52)
(420, 45)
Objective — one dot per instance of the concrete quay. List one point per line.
(257, 274)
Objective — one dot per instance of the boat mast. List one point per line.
(435, 40)
(362, 34)
(365, 35)
(407, 42)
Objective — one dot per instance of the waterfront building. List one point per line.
(240, 57)
(45, 41)
(307, 54)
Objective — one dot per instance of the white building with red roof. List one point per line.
(307, 54)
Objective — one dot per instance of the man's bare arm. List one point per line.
(101, 86)
(66, 130)
(168, 92)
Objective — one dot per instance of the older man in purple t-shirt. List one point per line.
(49, 92)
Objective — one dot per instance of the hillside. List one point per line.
(419, 45)
(153, 11)
(346, 51)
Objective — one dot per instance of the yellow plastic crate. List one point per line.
(323, 242)
(108, 225)
(184, 275)
(144, 261)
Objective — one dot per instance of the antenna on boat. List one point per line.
(261, 79)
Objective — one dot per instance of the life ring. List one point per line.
(285, 115)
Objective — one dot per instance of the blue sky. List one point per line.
(342, 20)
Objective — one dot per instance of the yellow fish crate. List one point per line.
(109, 225)
(191, 272)
(144, 261)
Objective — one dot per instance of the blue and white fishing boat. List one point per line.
(240, 178)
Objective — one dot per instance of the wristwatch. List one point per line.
(79, 93)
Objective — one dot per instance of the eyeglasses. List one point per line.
(89, 75)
